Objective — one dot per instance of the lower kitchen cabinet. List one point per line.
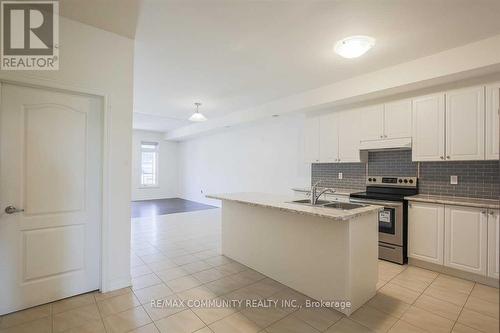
(426, 232)
(459, 237)
(493, 241)
(465, 239)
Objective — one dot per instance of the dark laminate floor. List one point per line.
(147, 208)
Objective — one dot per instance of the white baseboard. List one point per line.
(454, 272)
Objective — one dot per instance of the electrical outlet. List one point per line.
(453, 180)
(341, 175)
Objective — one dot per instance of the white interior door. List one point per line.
(50, 166)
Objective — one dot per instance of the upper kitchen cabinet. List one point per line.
(492, 121)
(333, 138)
(397, 119)
(349, 137)
(428, 124)
(328, 138)
(386, 121)
(465, 124)
(311, 140)
(372, 122)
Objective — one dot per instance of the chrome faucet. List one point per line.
(315, 196)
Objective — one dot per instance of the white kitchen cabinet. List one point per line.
(349, 136)
(397, 119)
(311, 140)
(328, 138)
(492, 121)
(428, 125)
(465, 238)
(493, 243)
(372, 122)
(425, 232)
(465, 124)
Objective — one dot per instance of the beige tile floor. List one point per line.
(176, 257)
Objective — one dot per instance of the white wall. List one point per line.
(167, 167)
(264, 157)
(96, 60)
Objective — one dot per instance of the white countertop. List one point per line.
(283, 203)
(458, 201)
(338, 190)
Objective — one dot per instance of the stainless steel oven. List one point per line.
(390, 228)
(389, 192)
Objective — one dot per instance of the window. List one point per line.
(149, 164)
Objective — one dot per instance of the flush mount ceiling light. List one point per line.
(354, 46)
(197, 116)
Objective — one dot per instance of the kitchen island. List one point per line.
(328, 254)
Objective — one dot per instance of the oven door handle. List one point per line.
(377, 203)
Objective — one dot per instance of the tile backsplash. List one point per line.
(353, 175)
(480, 179)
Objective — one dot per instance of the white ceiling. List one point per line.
(118, 16)
(234, 55)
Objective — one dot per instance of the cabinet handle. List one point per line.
(492, 213)
(441, 157)
(483, 212)
(447, 157)
(381, 136)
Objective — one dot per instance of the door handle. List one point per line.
(12, 210)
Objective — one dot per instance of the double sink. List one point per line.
(328, 204)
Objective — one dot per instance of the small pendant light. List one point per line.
(197, 116)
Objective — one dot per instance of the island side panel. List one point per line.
(363, 247)
(304, 252)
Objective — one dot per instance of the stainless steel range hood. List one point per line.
(386, 144)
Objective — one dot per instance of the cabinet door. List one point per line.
(328, 138)
(465, 124)
(465, 238)
(428, 128)
(397, 119)
(311, 140)
(493, 241)
(372, 122)
(425, 232)
(492, 121)
(349, 136)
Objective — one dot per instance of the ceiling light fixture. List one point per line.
(197, 116)
(354, 46)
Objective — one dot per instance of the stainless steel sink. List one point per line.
(342, 205)
(308, 202)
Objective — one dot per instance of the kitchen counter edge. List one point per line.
(283, 203)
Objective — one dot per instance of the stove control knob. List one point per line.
(369, 179)
(400, 180)
(411, 181)
(406, 181)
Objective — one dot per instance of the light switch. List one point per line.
(341, 175)
(453, 180)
